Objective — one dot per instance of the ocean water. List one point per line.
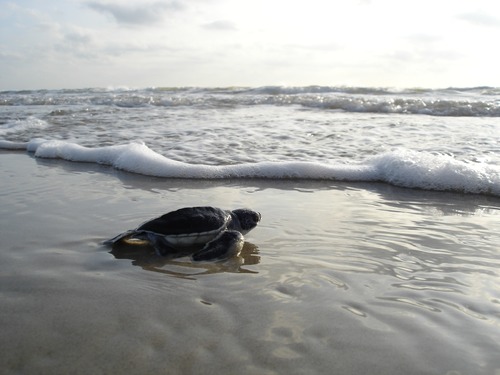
(428, 139)
(378, 250)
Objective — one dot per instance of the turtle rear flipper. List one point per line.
(121, 237)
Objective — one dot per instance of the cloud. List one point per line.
(78, 43)
(221, 25)
(480, 19)
(8, 55)
(424, 49)
(136, 14)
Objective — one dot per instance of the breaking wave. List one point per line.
(479, 101)
(400, 167)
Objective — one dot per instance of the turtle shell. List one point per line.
(188, 226)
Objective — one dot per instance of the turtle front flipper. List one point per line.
(225, 245)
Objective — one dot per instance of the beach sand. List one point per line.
(338, 278)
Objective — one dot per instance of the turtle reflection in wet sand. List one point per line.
(220, 232)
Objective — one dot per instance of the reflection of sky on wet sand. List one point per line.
(348, 279)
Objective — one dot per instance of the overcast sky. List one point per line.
(142, 43)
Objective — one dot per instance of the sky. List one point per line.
(58, 44)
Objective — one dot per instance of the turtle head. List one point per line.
(248, 219)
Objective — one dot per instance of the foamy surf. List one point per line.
(19, 126)
(400, 167)
(466, 102)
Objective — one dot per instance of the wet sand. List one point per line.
(337, 278)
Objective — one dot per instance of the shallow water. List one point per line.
(443, 140)
(337, 278)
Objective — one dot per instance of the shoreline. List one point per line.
(288, 178)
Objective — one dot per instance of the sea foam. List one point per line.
(400, 167)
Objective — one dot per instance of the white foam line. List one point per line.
(138, 158)
(405, 168)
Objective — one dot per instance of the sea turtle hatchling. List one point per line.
(220, 232)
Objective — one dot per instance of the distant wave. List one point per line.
(279, 90)
(477, 101)
(23, 125)
(271, 90)
(401, 167)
